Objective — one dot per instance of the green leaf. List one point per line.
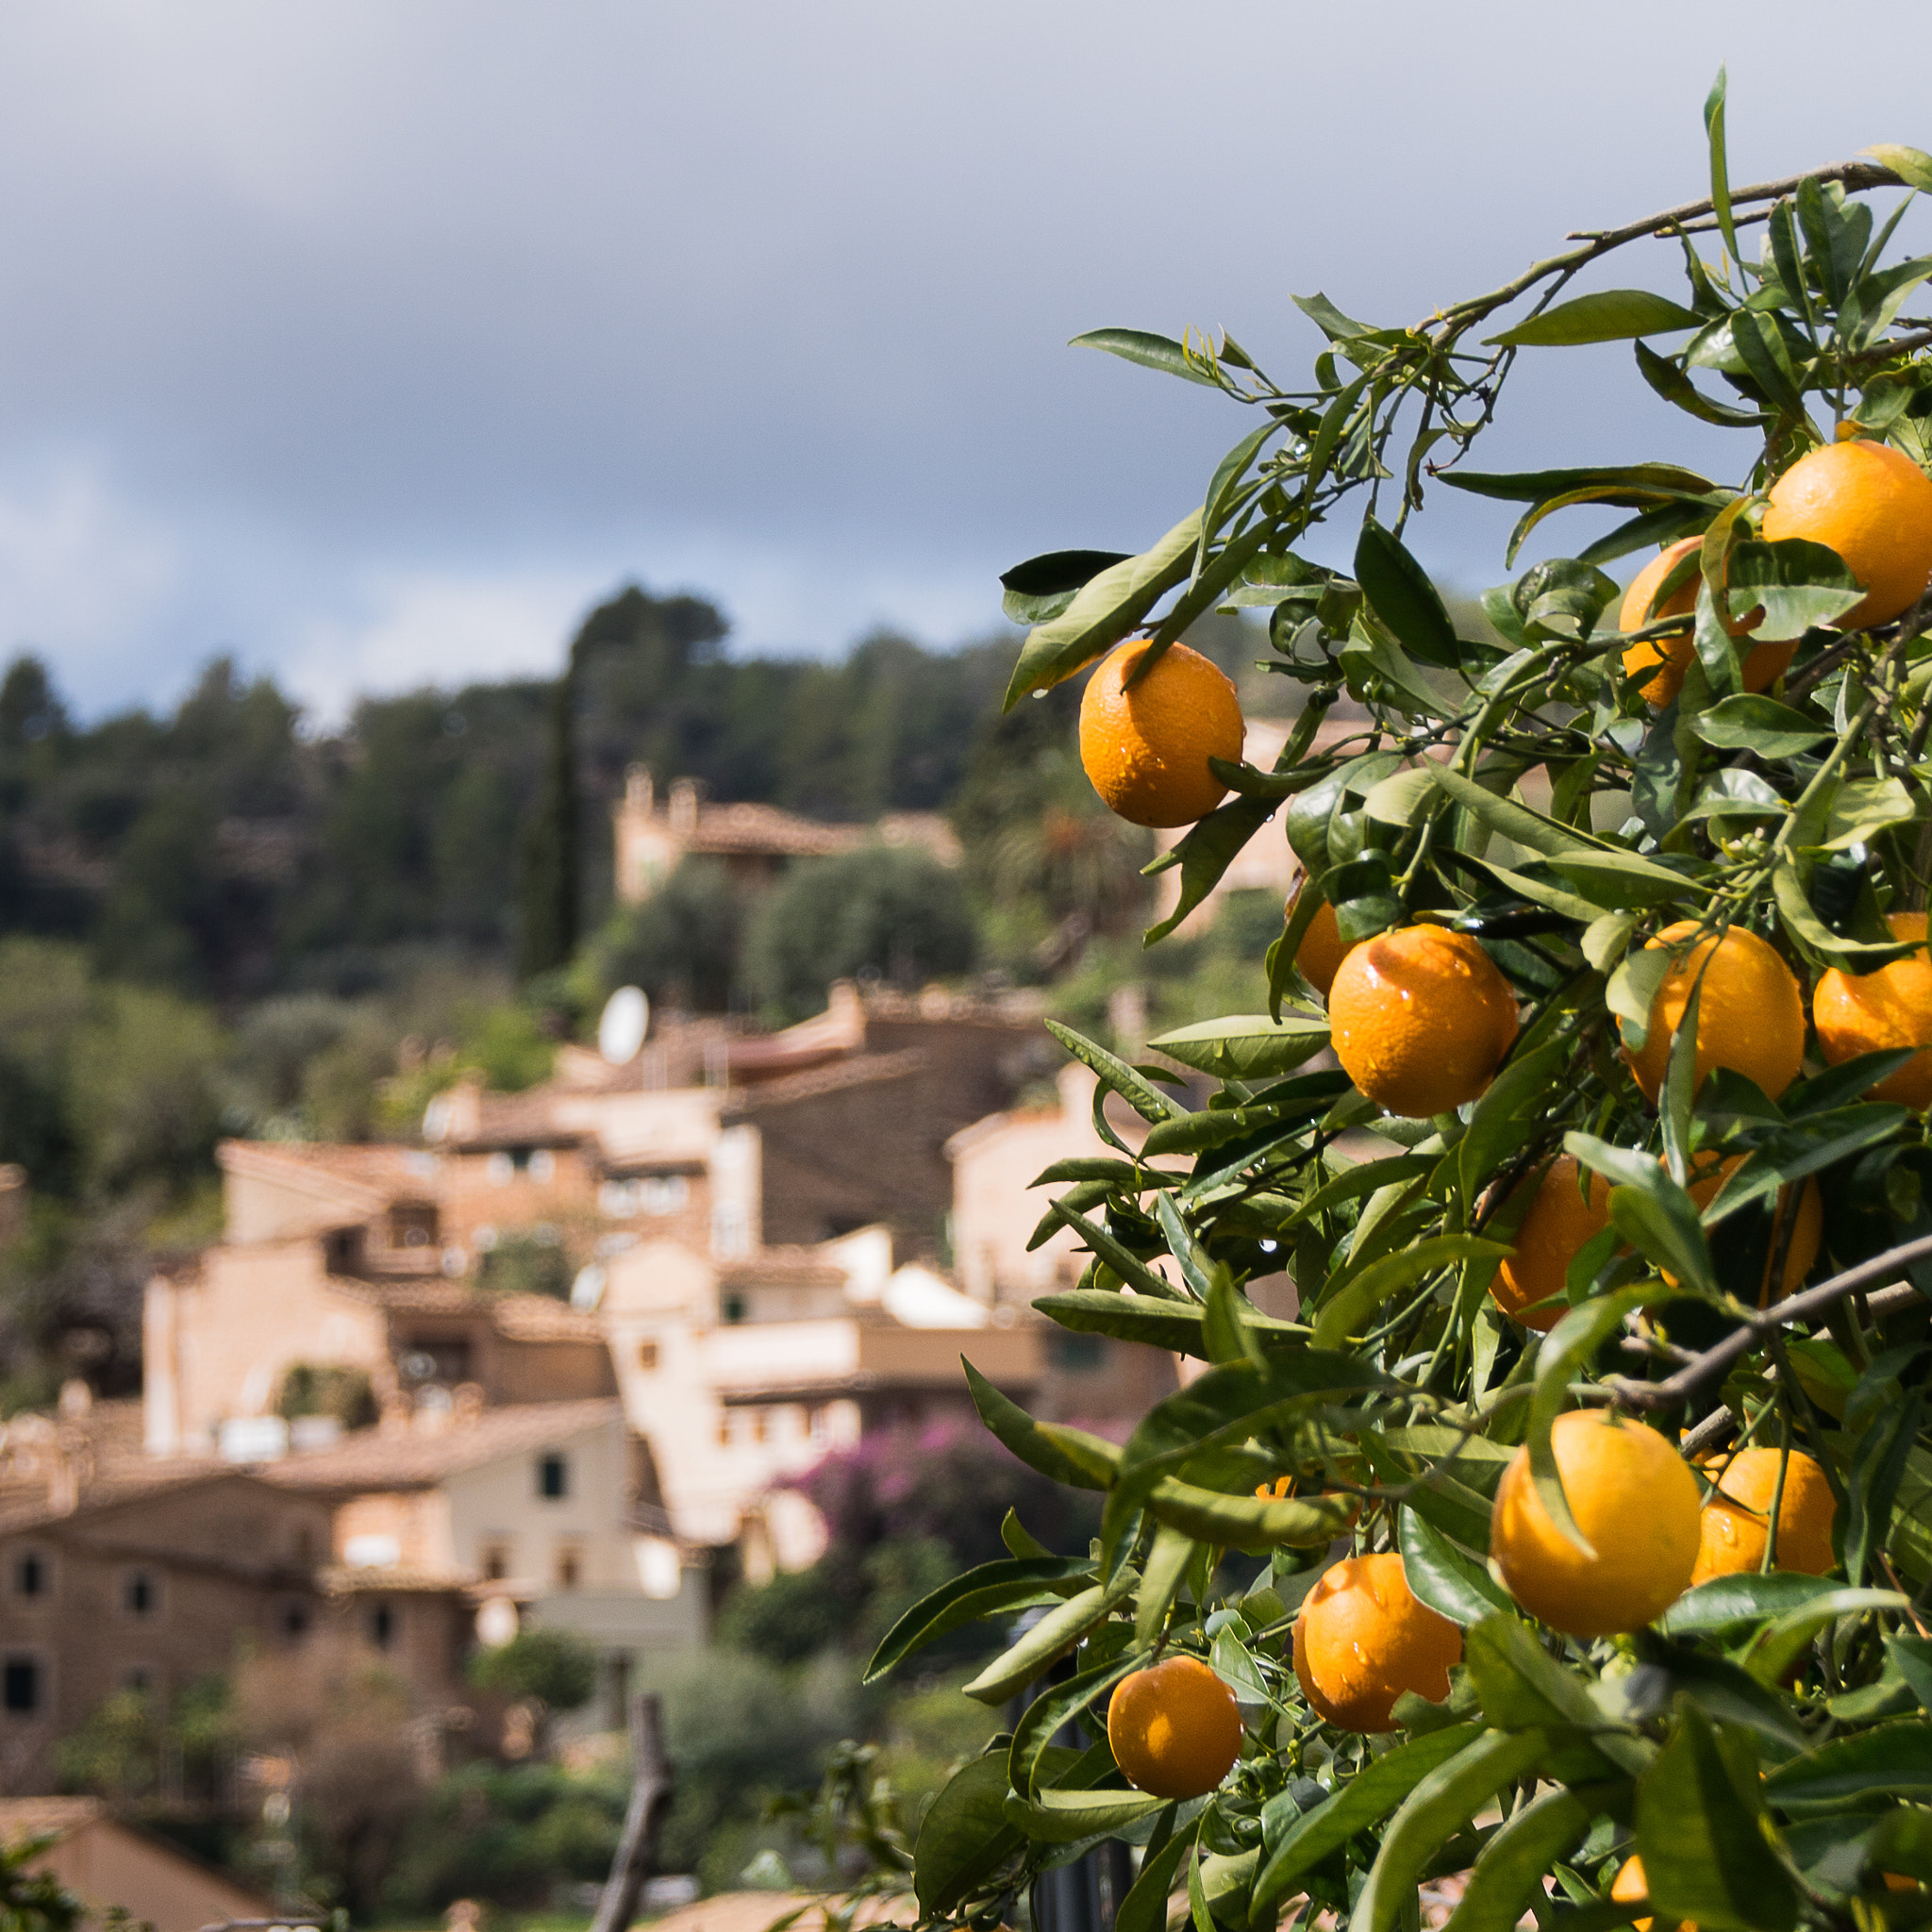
(1056, 1706)
(1057, 1817)
(1139, 1318)
(1746, 723)
(1703, 1836)
(1451, 1583)
(1776, 1649)
(1043, 586)
(1103, 611)
(1675, 386)
(1140, 1092)
(1245, 1046)
(1761, 349)
(1055, 1633)
(1517, 822)
(1509, 1869)
(1608, 315)
(982, 1591)
(1049, 1452)
(1796, 584)
(1913, 165)
(1144, 1908)
(1720, 164)
(1632, 991)
(1249, 1523)
(1207, 852)
(1400, 593)
(1892, 1760)
(1643, 480)
(1150, 350)
(1166, 1563)
(1358, 1298)
(1447, 1799)
(1369, 1796)
(964, 1836)
(1729, 1604)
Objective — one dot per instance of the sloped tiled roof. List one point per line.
(783, 1267)
(25, 1505)
(862, 1070)
(517, 1317)
(46, 1817)
(371, 1460)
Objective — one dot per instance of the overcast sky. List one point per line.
(373, 342)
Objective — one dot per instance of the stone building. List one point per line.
(753, 842)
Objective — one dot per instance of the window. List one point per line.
(760, 1425)
(381, 1626)
(499, 1170)
(495, 1561)
(140, 1593)
(30, 1575)
(664, 1194)
(647, 1357)
(294, 1622)
(413, 1225)
(20, 1686)
(818, 1424)
(553, 1477)
(542, 1166)
(138, 1679)
(734, 1307)
(1078, 1353)
(725, 1430)
(569, 1564)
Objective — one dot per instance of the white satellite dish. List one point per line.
(627, 1018)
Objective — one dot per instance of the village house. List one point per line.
(138, 1577)
(753, 842)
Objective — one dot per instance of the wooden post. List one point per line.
(650, 1797)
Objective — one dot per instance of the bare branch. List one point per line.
(1797, 1307)
(650, 1798)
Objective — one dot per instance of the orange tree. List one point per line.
(1585, 873)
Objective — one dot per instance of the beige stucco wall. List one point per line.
(108, 1865)
(217, 1345)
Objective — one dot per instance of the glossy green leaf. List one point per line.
(1451, 1583)
(1400, 593)
(964, 1837)
(1051, 1455)
(1245, 1046)
(1043, 586)
(1795, 584)
(1344, 1312)
(1509, 1869)
(1913, 166)
(1249, 1523)
(1144, 1908)
(1051, 1637)
(982, 1591)
(1369, 1795)
(1606, 315)
(1783, 1643)
(1760, 724)
(1207, 852)
(1730, 1605)
(1534, 485)
(1150, 350)
(1059, 1817)
(1890, 1760)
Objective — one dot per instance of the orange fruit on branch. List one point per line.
(1629, 1887)
(1867, 1012)
(1421, 1019)
(1873, 505)
(1750, 1012)
(1636, 1502)
(1322, 950)
(1174, 1728)
(1362, 1638)
(1763, 665)
(1560, 1221)
(1737, 1520)
(1146, 750)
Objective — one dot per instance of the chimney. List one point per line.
(639, 793)
(466, 1405)
(684, 806)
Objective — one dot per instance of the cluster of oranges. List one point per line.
(1362, 1638)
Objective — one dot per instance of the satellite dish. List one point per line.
(621, 1031)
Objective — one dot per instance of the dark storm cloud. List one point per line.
(373, 340)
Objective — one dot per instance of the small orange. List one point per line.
(1763, 665)
(1363, 1640)
(1558, 1222)
(1320, 951)
(1749, 1013)
(1174, 1728)
(1146, 750)
(1807, 1231)
(1867, 1013)
(1635, 1500)
(1873, 505)
(1421, 1019)
(1737, 1519)
(1628, 1887)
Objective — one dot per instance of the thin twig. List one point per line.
(1797, 1307)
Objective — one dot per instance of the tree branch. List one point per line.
(1798, 1307)
(650, 1798)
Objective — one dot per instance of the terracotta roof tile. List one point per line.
(371, 1460)
(862, 1070)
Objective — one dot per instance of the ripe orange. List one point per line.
(1870, 504)
(1737, 1520)
(1763, 665)
(1750, 1014)
(1363, 1640)
(1558, 1222)
(1629, 1886)
(1174, 1728)
(1421, 1019)
(1320, 951)
(1867, 1012)
(1807, 1230)
(1146, 750)
(1636, 1501)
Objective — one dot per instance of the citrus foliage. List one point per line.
(1763, 1739)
